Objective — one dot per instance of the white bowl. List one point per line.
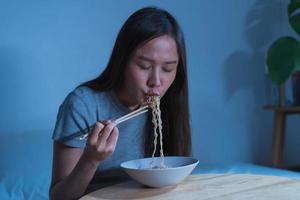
(178, 169)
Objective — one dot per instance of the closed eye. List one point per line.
(168, 69)
(143, 66)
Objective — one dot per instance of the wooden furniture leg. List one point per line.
(278, 137)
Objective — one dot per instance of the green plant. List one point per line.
(283, 56)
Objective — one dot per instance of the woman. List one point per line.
(148, 59)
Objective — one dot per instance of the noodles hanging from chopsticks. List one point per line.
(157, 122)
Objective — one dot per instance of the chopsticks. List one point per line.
(82, 134)
(132, 114)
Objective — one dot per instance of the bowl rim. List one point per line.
(194, 162)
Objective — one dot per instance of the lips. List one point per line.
(152, 93)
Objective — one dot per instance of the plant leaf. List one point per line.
(281, 59)
(297, 58)
(294, 15)
(293, 5)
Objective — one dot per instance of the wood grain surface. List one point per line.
(208, 186)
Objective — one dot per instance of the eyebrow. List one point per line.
(150, 60)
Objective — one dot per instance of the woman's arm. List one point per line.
(73, 168)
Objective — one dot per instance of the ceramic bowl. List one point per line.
(178, 168)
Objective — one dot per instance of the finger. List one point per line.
(105, 122)
(113, 138)
(106, 131)
(93, 137)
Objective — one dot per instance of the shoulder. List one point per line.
(82, 94)
(85, 96)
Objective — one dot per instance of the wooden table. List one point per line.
(207, 186)
(279, 130)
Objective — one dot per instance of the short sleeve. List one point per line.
(72, 118)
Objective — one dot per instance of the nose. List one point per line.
(154, 79)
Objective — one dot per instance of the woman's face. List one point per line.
(150, 71)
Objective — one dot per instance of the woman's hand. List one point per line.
(101, 142)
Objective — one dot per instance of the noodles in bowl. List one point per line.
(159, 171)
(178, 169)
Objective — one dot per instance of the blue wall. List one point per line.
(49, 47)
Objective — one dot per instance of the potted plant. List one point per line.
(283, 56)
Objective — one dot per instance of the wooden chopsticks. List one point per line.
(132, 114)
(82, 134)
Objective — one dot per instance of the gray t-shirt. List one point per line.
(82, 108)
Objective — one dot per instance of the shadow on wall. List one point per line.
(245, 70)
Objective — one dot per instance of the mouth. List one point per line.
(152, 93)
(151, 98)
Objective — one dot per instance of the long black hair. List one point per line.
(142, 26)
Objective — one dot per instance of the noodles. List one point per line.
(157, 122)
